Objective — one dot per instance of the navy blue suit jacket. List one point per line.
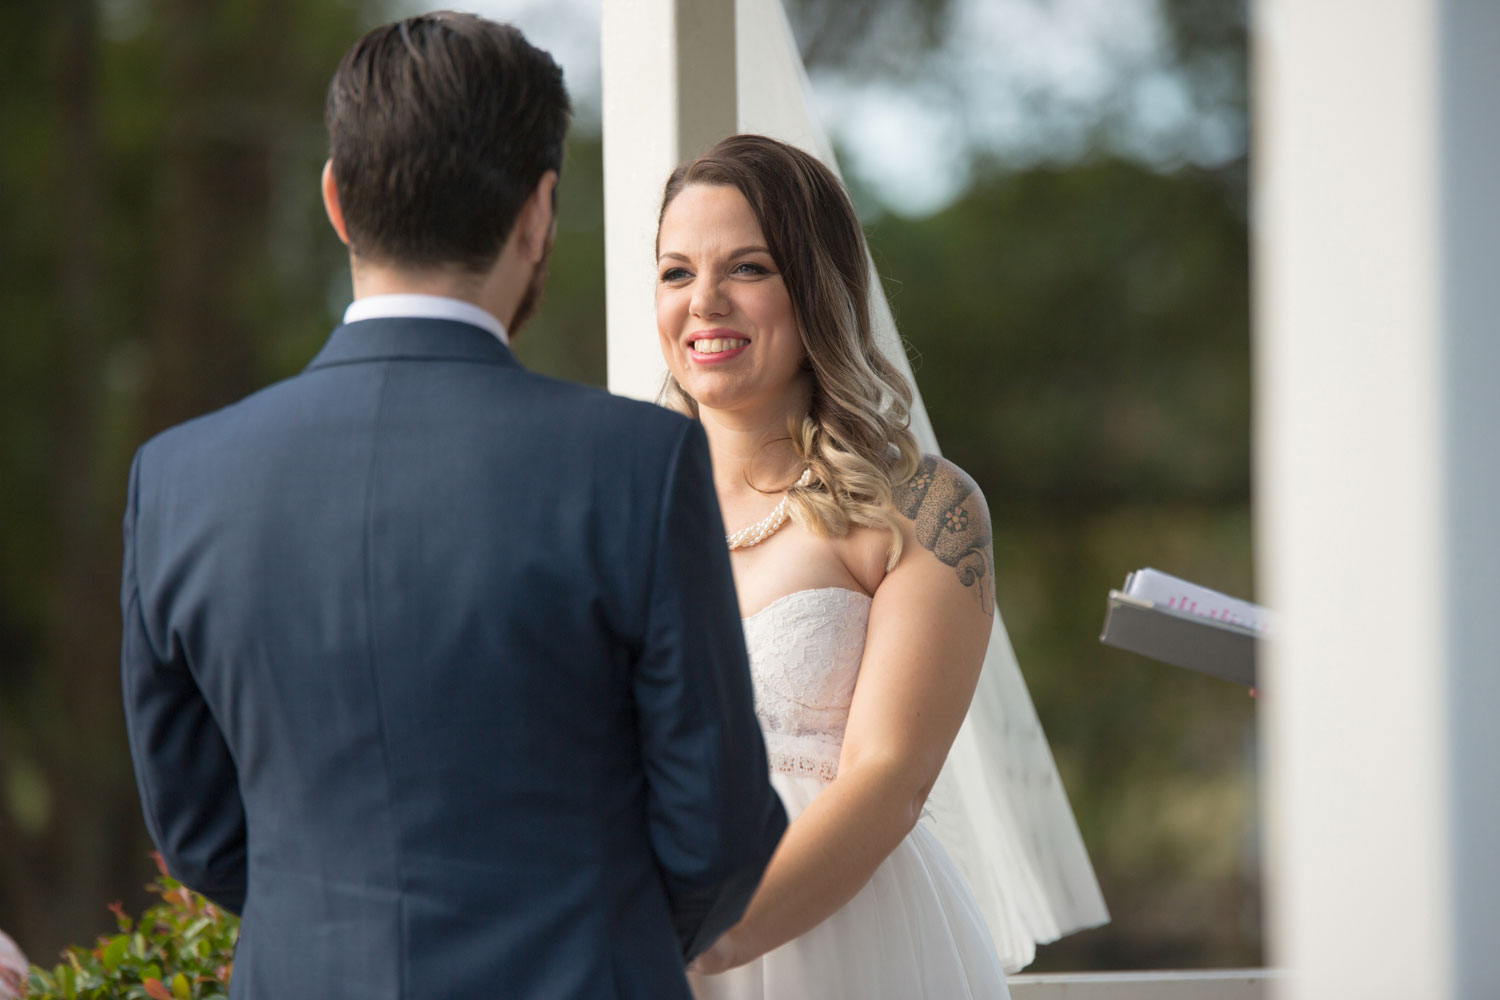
(433, 671)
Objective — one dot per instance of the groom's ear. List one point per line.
(331, 203)
(537, 219)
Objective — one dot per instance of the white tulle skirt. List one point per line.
(914, 932)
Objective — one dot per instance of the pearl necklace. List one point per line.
(767, 526)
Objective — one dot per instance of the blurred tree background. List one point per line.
(1075, 298)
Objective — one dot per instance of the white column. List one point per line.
(1377, 226)
(669, 94)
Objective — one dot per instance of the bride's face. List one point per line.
(727, 329)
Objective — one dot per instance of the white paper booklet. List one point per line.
(1167, 591)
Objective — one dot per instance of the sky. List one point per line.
(1017, 80)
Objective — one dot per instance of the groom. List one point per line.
(432, 667)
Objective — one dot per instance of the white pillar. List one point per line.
(669, 93)
(1377, 211)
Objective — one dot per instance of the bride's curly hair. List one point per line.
(855, 436)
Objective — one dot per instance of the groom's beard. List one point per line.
(532, 297)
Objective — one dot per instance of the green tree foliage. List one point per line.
(566, 337)
(1090, 323)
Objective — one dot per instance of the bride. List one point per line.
(864, 576)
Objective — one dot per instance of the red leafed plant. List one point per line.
(180, 949)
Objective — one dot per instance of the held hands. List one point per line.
(722, 956)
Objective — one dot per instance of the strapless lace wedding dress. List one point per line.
(914, 931)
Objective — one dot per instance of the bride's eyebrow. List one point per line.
(741, 252)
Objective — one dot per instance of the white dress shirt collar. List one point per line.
(424, 307)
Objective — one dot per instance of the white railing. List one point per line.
(1204, 984)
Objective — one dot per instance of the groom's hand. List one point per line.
(721, 957)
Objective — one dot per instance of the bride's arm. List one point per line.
(929, 626)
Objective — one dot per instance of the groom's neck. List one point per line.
(493, 291)
(372, 279)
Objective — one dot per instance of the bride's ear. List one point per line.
(331, 203)
(538, 218)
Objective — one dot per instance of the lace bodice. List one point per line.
(805, 650)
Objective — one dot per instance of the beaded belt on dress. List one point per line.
(794, 753)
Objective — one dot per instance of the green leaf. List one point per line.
(41, 982)
(181, 988)
(116, 952)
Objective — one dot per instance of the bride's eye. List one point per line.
(674, 274)
(750, 268)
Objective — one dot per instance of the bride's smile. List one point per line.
(714, 346)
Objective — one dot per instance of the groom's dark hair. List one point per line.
(440, 127)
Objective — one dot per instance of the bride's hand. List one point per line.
(720, 957)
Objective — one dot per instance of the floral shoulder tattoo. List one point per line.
(952, 522)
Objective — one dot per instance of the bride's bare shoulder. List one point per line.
(935, 481)
(949, 518)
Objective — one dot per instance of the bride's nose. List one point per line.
(708, 298)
